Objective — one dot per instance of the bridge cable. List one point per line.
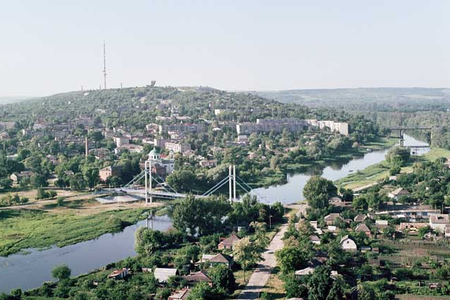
(216, 187)
(220, 183)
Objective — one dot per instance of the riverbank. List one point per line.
(375, 173)
(62, 226)
(279, 176)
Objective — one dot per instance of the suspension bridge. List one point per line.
(165, 191)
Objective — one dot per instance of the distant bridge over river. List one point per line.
(401, 130)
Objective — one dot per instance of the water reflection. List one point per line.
(291, 192)
(30, 271)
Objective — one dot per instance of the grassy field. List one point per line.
(436, 153)
(364, 177)
(240, 282)
(275, 286)
(383, 143)
(21, 229)
(380, 171)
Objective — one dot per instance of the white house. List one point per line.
(120, 141)
(163, 274)
(439, 221)
(348, 244)
(397, 193)
(119, 274)
(314, 239)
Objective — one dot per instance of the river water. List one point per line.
(31, 270)
(292, 191)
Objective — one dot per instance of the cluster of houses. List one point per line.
(162, 275)
(373, 223)
(169, 134)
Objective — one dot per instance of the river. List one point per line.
(292, 191)
(31, 270)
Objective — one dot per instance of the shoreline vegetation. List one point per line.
(374, 173)
(40, 229)
(280, 176)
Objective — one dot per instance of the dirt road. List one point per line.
(262, 272)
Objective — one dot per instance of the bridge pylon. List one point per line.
(232, 182)
(148, 182)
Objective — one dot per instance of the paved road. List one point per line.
(262, 272)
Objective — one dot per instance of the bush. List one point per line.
(60, 201)
(61, 272)
(43, 194)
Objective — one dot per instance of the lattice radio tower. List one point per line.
(104, 65)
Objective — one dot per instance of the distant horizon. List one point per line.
(230, 90)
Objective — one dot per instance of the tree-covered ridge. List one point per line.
(136, 107)
(367, 99)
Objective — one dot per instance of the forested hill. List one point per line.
(133, 108)
(360, 99)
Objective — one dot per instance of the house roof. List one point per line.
(314, 238)
(221, 258)
(305, 271)
(230, 241)
(439, 219)
(362, 228)
(400, 191)
(332, 217)
(163, 274)
(181, 294)
(118, 272)
(197, 277)
(360, 218)
(112, 168)
(346, 237)
(206, 257)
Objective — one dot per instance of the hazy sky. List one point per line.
(50, 46)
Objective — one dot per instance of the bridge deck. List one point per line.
(156, 194)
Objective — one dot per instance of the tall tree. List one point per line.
(317, 191)
(246, 253)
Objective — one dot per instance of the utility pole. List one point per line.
(86, 146)
(104, 65)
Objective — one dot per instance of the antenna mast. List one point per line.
(104, 64)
